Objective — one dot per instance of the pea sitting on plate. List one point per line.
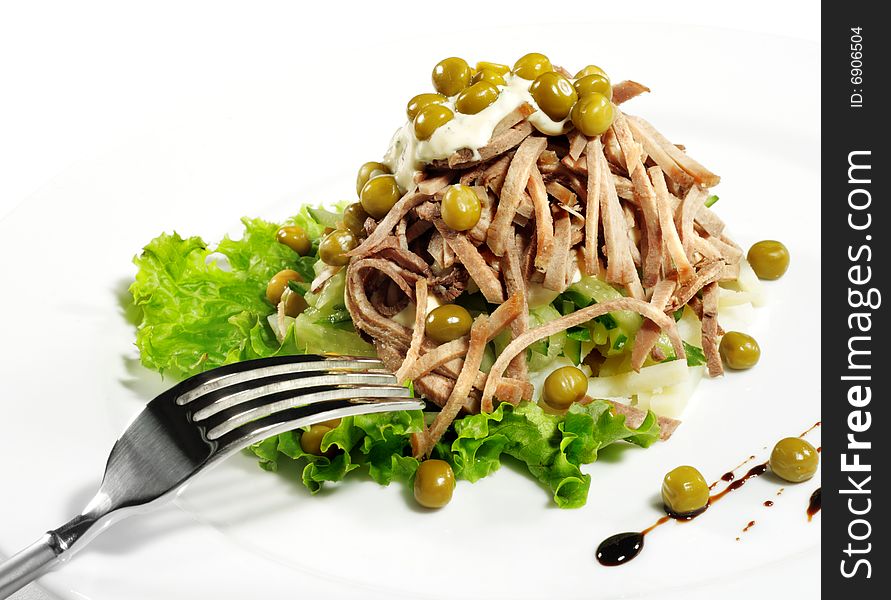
(794, 459)
(769, 259)
(434, 483)
(684, 492)
(739, 350)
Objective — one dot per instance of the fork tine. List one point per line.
(207, 405)
(301, 416)
(231, 418)
(203, 383)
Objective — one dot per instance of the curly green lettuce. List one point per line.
(197, 314)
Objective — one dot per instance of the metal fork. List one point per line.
(199, 422)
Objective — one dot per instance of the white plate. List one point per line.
(747, 106)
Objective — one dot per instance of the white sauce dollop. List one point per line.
(407, 155)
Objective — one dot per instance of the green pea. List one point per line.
(590, 70)
(531, 65)
(311, 441)
(448, 322)
(794, 459)
(592, 114)
(554, 95)
(769, 259)
(379, 195)
(593, 83)
(334, 247)
(434, 483)
(294, 238)
(498, 68)
(354, 217)
(420, 101)
(430, 118)
(451, 75)
(475, 98)
(367, 171)
(564, 386)
(461, 208)
(739, 350)
(684, 491)
(489, 76)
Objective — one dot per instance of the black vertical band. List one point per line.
(855, 367)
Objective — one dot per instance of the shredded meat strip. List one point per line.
(666, 222)
(707, 273)
(417, 336)
(646, 198)
(654, 139)
(592, 208)
(710, 329)
(619, 264)
(684, 218)
(544, 223)
(555, 275)
(650, 331)
(511, 193)
(571, 320)
(626, 90)
(476, 265)
(498, 145)
(386, 225)
(516, 288)
(477, 346)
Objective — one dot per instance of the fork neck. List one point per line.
(82, 528)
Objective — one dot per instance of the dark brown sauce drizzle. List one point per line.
(620, 548)
(811, 428)
(729, 476)
(815, 504)
(753, 472)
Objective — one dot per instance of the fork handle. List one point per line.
(29, 564)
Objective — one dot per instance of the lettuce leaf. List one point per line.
(196, 313)
(379, 442)
(552, 447)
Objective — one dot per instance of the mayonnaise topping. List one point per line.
(407, 155)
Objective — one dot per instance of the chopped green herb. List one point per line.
(678, 314)
(695, 355)
(577, 298)
(581, 334)
(620, 342)
(299, 286)
(607, 321)
(711, 200)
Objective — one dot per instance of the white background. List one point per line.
(79, 79)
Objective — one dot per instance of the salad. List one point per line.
(543, 268)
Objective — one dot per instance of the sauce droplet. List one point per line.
(620, 548)
(768, 503)
(815, 504)
(749, 526)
